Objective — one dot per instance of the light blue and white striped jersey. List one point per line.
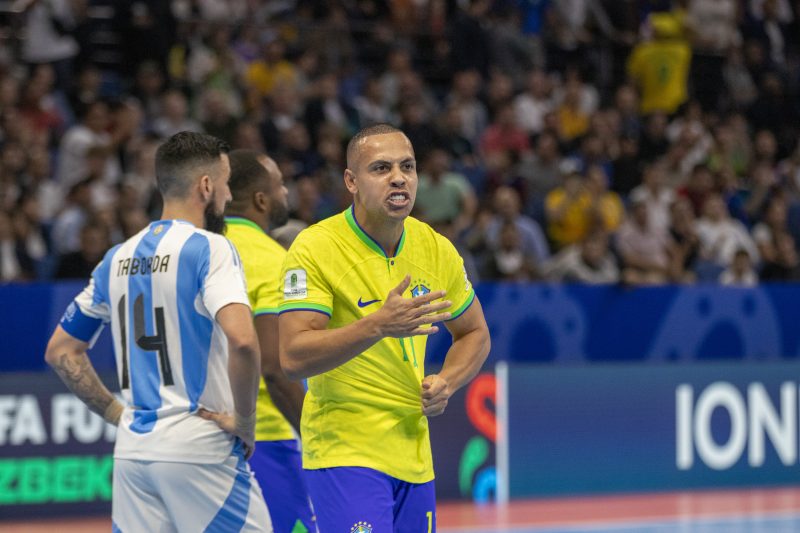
(161, 290)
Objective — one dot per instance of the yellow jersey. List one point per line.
(262, 258)
(661, 69)
(367, 412)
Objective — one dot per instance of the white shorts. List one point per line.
(162, 497)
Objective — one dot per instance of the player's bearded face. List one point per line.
(214, 221)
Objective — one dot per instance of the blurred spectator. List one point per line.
(218, 118)
(767, 232)
(328, 108)
(285, 110)
(607, 210)
(721, 236)
(541, 171)
(508, 262)
(770, 28)
(470, 40)
(370, 105)
(45, 111)
(627, 167)
(684, 244)
(68, 224)
(48, 24)
(712, 26)
(642, 247)
(527, 236)
(589, 262)
(149, 85)
(472, 113)
(570, 21)
(444, 195)
(698, 188)
(503, 135)
(568, 210)
(660, 68)
(11, 264)
(656, 196)
(573, 120)
(654, 143)
(79, 264)
(531, 106)
(740, 273)
(92, 131)
(272, 68)
(785, 262)
(174, 116)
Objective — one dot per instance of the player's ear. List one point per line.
(350, 181)
(206, 187)
(260, 201)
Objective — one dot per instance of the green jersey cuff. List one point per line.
(463, 307)
(265, 311)
(304, 306)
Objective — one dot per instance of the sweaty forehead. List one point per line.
(383, 146)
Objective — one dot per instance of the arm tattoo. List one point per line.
(79, 375)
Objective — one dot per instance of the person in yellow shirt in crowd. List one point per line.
(272, 69)
(581, 205)
(260, 202)
(361, 292)
(660, 67)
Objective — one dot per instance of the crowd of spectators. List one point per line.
(593, 141)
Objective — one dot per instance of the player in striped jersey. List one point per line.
(187, 357)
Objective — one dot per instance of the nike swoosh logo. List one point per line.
(368, 302)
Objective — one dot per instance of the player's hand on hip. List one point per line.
(435, 394)
(244, 428)
(406, 317)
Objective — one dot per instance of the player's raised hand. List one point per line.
(406, 317)
(237, 426)
(435, 394)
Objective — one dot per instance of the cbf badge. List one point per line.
(419, 287)
(361, 527)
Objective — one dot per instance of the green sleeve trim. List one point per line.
(460, 311)
(265, 311)
(304, 306)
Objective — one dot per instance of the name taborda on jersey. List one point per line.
(142, 265)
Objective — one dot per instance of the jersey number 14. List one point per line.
(150, 343)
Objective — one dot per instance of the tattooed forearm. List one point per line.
(78, 374)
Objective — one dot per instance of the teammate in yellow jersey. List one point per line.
(259, 202)
(361, 292)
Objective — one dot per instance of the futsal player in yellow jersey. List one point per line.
(361, 292)
(260, 201)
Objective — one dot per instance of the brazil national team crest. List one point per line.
(419, 287)
(361, 527)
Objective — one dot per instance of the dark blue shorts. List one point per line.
(277, 466)
(361, 500)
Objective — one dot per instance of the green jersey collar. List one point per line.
(372, 244)
(241, 221)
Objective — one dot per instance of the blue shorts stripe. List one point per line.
(115, 528)
(233, 513)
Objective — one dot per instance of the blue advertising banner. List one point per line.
(55, 455)
(538, 323)
(580, 324)
(614, 428)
